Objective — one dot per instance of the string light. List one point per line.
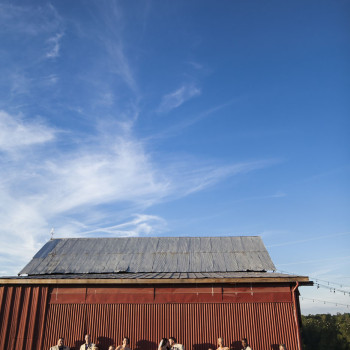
(327, 285)
(325, 302)
(332, 289)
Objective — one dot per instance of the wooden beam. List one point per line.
(303, 280)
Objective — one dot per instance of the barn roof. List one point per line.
(152, 255)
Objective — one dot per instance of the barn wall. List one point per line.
(169, 294)
(22, 315)
(231, 312)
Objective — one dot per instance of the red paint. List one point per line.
(34, 317)
(296, 316)
(22, 314)
(189, 294)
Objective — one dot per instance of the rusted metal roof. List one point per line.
(154, 255)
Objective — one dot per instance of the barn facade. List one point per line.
(193, 288)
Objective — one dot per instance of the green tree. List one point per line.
(326, 332)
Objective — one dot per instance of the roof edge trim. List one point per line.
(303, 280)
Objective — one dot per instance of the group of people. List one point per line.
(165, 344)
(88, 345)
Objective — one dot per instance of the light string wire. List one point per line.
(328, 285)
(325, 302)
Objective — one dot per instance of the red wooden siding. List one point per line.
(195, 316)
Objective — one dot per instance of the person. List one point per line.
(87, 345)
(164, 344)
(221, 345)
(283, 347)
(125, 344)
(245, 344)
(60, 345)
(94, 347)
(111, 347)
(174, 345)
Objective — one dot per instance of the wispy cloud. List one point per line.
(20, 83)
(74, 188)
(195, 65)
(315, 238)
(202, 176)
(113, 38)
(188, 122)
(336, 258)
(178, 97)
(120, 64)
(16, 133)
(29, 20)
(54, 46)
(139, 224)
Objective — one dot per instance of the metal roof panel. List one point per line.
(151, 254)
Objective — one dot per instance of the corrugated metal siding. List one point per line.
(196, 326)
(22, 315)
(150, 254)
(28, 321)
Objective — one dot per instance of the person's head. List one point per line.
(60, 341)
(164, 342)
(94, 347)
(221, 341)
(210, 349)
(87, 338)
(172, 341)
(283, 347)
(244, 342)
(111, 347)
(126, 341)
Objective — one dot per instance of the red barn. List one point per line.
(193, 288)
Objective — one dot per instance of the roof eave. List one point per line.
(303, 280)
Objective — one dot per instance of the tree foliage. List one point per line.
(326, 332)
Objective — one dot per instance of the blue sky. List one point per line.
(176, 118)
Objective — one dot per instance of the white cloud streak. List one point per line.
(316, 238)
(16, 133)
(120, 63)
(177, 98)
(29, 20)
(140, 224)
(54, 44)
(40, 187)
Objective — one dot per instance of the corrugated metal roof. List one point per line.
(150, 254)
